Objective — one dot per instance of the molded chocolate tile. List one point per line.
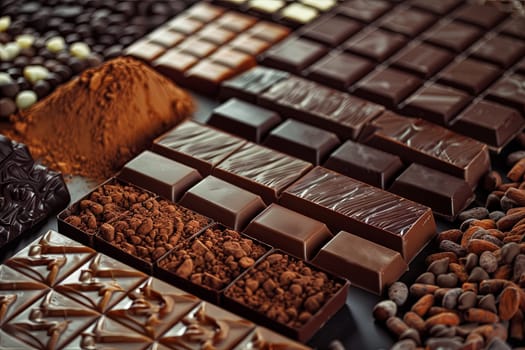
(470, 75)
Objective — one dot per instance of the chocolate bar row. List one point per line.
(60, 294)
(205, 45)
(194, 253)
(29, 192)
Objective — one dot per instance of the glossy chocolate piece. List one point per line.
(365, 163)
(174, 64)
(196, 145)
(470, 75)
(407, 21)
(331, 30)
(153, 307)
(293, 54)
(236, 22)
(422, 59)
(165, 37)
(50, 258)
(339, 70)
(184, 24)
(244, 119)
(376, 44)
(290, 231)
(269, 32)
(363, 10)
(514, 26)
(281, 273)
(296, 14)
(328, 109)
(159, 174)
(108, 334)
(489, 122)
(145, 50)
(520, 67)
(221, 329)
(347, 204)
(204, 12)
(197, 47)
(261, 170)
(452, 35)
(224, 202)
(438, 7)
(436, 103)
(418, 141)
(100, 283)
(366, 264)
(264, 339)
(302, 141)
(447, 195)
(215, 34)
(500, 50)
(236, 60)
(510, 91)
(17, 292)
(51, 322)
(249, 44)
(206, 76)
(388, 87)
(481, 15)
(250, 84)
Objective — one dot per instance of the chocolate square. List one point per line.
(294, 54)
(452, 35)
(376, 44)
(422, 59)
(470, 75)
(481, 15)
(510, 91)
(339, 70)
(363, 10)
(501, 50)
(330, 30)
(407, 21)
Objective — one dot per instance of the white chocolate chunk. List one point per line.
(5, 22)
(25, 99)
(5, 78)
(268, 6)
(323, 5)
(9, 51)
(80, 50)
(25, 40)
(299, 13)
(55, 44)
(35, 73)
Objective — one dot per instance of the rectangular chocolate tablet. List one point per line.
(250, 84)
(447, 195)
(198, 146)
(263, 338)
(224, 202)
(347, 204)
(365, 163)
(419, 141)
(366, 264)
(261, 170)
(288, 230)
(315, 104)
(159, 174)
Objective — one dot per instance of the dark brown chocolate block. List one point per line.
(441, 7)
(314, 104)
(224, 202)
(330, 30)
(388, 87)
(159, 174)
(407, 21)
(500, 49)
(363, 10)
(339, 70)
(436, 103)
(365, 163)
(263, 338)
(347, 204)
(452, 35)
(261, 170)
(244, 119)
(470, 75)
(376, 44)
(418, 141)
(422, 59)
(510, 91)
(302, 141)
(479, 14)
(514, 26)
(196, 145)
(364, 263)
(447, 195)
(250, 84)
(288, 230)
(520, 67)
(489, 122)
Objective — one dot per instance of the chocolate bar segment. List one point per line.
(363, 10)
(250, 84)
(407, 21)
(422, 59)
(365, 163)
(347, 204)
(294, 55)
(288, 230)
(366, 264)
(447, 195)
(376, 44)
(263, 338)
(224, 202)
(452, 35)
(330, 30)
(418, 141)
(510, 91)
(196, 145)
(470, 75)
(500, 50)
(159, 174)
(481, 15)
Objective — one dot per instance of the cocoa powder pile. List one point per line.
(96, 122)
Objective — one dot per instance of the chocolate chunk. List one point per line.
(174, 64)
(145, 50)
(244, 119)
(436, 103)
(165, 37)
(236, 60)
(514, 26)
(235, 21)
(510, 91)
(184, 24)
(206, 76)
(223, 201)
(302, 141)
(377, 215)
(376, 44)
(290, 231)
(330, 30)
(438, 7)
(339, 70)
(407, 21)
(481, 15)
(422, 59)
(363, 10)
(500, 50)
(7, 107)
(364, 163)
(249, 44)
(470, 75)
(215, 34)
(159, 174)
(261, 170)
(445, 194)
(366, 264)
(269, 32)
(293, 54)
(452, 35)
(263, 338)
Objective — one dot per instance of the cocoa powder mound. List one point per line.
(95, 123)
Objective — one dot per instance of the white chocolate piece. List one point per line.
(322, 5)
(268, 6)
(5, 78)
(55, 44)
(80, 50)
(25, 99)
(35, 73)
(25, 40)
(299, 13)
(9, 51)
(5, 22)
